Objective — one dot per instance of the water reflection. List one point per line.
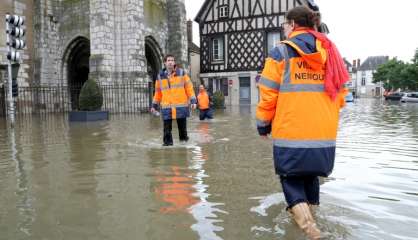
(113, 180)
(180, 183)
(87, 149)
(173, 180)
(203, 135)
(24, 204)
(172, 186)
(175, 188)
(204, 211)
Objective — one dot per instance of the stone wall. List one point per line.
(177, 31)
(73, 22)
(102, 27)
(117, 41)
(116, 30)
(155, 22)
(47, 21)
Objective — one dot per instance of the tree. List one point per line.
(415, 59)
(410, 73)
(389, 74)
(410, 77)
(396, 74)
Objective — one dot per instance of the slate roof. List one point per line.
(194, 48)
(371, 63)
(202, 10)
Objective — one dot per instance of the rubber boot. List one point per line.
(303, 217)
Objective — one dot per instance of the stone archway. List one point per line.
(153, 54)
(76, 67)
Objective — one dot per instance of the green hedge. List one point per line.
(91, 97)
(218, 99)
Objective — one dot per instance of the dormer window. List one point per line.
(223, 11)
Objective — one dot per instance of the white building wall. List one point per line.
(195, 68)
(233, 97)
(370, 89)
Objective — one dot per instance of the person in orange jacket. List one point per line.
(204, 103)
(301, 93)
(173, 93)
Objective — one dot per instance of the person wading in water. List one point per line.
(301, 93)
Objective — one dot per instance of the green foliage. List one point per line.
(415, 59)
(91, 97)
(396, 74)
(218, 99)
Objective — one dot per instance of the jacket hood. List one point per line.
(309, 48)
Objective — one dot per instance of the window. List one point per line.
(223, 11)
(363, 78)
(218, 49)
(273, 39)
(363, 81)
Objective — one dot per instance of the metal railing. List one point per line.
(117, 98)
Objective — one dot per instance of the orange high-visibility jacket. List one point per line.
(203, 100)
(173, 94)
(294, 107)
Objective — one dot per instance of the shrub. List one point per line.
(218, 99)
(91, 97)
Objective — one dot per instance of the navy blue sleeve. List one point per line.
(263, 131)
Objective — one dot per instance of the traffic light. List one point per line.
(14, 35)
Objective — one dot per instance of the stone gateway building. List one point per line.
(117, 42)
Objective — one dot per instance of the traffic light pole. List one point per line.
(11, 110)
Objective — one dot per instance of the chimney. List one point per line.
(358, 62)
(354, 64)
(189, 30)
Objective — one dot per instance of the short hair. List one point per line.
(303, 16)
(167, 56)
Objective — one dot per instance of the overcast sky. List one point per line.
(361, 28)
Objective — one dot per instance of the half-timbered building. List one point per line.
(235, 38)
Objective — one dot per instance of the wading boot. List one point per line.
(303, 217)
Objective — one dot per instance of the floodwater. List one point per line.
(114, 180)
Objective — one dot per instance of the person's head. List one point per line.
(300, 16)
(201, 87)
(169, 62)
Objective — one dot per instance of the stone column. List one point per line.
(102, 39)
(46, 60)
(177, 31)
(132, 41)
(117, 42)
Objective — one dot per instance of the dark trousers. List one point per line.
(299, 189)
(182, 126)
(205, 113)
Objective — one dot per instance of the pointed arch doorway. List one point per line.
(77, 67)
(153, 54)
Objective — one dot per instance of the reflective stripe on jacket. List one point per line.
(302, 118)
(203, 100)
(173, 94)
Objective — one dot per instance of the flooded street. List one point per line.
(114, 180)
